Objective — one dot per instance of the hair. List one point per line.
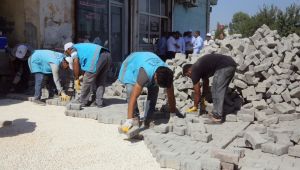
(164, 77)
(197, 32)
(186, 68)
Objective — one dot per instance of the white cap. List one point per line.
(21, 51)
(70, 61)
(208, 34)
(68, 45)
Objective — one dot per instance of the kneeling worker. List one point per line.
(222, 68)
(95, 61)
(145, 69)
(47, 62)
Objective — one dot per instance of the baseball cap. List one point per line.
(68, 45)
(21, 51)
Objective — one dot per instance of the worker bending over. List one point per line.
(222, 68)
(94, 61)
(43, 63)
(145, 69)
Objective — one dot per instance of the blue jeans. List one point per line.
(39, 77)
(152, 97)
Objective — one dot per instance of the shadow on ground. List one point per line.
(4, 101)
(112, 101)
(19, 126)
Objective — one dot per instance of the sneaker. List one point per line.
(39, 102)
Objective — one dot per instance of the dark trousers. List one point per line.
(221, 80)
(152, 98)
(170, 55)
(94, 83)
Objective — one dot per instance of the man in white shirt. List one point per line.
(198, 44)
(172, 46)
(181, 43)
(208, 41)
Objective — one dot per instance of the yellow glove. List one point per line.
(77, 85)
(192, 109)
(63, 97)
(126, 126)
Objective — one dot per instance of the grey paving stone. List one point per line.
(287, 117)
(225, 156)
(274, 148)
(295, 137)
(282, 138)
(169, 160)
(294, 151)
(260, 105)
(260, 128)
(179, 130)
(202, 137)
(231, 118)
(162, 128)
(295, 92)
(190, 164)
(210, 163)
(271, 120)
(254, 139)
(227, 166)
(245, 117)
(283, 108)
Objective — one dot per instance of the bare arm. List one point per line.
(136, 91)
(76, 68)
(197, 89)
(171, 99)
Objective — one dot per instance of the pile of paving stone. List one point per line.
(267, 76)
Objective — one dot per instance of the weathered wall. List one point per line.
(13, 11)
(194, 18)
(32, 24)
(56, 22)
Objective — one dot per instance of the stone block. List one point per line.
(179, 130)
(162, 128)
(210, 163)
(287, 117)
(295, 92)
(271, 120)
(280, 89)
(254, 139)
(296, 101)
(92, 115)
(247, 111)
(169, 160)
(295, 137)
(286, 95)
(276, 98)
(231, 118)
(190, 164)
(73, 106)
(273, 131)
(260, 105)
(260, 128)
(227, 166)
(202, 137)
(225, 156)
(282, 138)
(240, 84)
(283, 108)
(245, 117)
(260, 116)
(294, 85)
(294, 151)
(274, 148)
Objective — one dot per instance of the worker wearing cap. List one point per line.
(208, 41)
(145, 69)
(94, 60)
(43, 63)
(222, 68)
(19, 56)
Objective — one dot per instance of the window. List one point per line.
(153, 20)
(92, 21)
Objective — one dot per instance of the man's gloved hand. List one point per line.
(77, 85)
(192, 109)
(125, 127)
(63, 97)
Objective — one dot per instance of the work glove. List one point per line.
(63, 97)
(192, 109)
(126, 126)
(77, 85)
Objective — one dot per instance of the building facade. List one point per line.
(122, 26)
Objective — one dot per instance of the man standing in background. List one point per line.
(198, 43)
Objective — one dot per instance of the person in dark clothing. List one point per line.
(19, 56)
(222, 67)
